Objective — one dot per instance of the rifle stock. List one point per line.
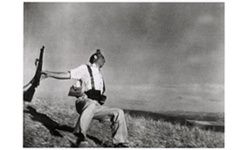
(35, 82)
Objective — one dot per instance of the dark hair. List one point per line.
(96, 56)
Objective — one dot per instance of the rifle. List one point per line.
(35, 82)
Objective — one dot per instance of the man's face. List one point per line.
(101, 62)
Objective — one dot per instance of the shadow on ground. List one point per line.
(55, 127)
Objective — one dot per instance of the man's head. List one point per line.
(97, 58)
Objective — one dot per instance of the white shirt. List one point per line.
(82, 73)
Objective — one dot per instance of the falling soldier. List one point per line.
(89, 91)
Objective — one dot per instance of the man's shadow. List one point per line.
(52, 125)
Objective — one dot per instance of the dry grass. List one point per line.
(47, 123)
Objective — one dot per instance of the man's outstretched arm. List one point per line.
(57, 75)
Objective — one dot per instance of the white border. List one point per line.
(236, 75)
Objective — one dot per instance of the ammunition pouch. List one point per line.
(75, 91)
(96, 95)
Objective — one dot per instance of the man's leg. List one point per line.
(117, 117)
(86, 110)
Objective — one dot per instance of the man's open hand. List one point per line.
(44, 75)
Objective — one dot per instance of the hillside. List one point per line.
(49, 123)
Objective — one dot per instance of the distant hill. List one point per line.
(184, 98)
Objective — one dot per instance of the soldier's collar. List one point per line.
(94, 66)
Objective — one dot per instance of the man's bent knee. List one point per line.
(118, 114)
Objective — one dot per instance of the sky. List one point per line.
(145, 44)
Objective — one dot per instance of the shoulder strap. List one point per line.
(104, 88)
(91, 76)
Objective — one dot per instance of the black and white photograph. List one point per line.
(123, 75)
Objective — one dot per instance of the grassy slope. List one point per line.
(47, 123)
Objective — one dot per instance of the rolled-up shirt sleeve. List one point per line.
(78, 73)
